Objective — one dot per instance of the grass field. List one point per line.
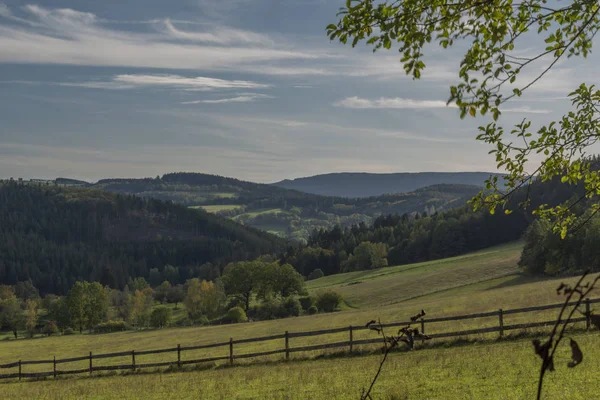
(217, 208)
(478, 282)
(380, 287)
(501, 371)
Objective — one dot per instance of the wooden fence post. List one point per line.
(178, 356)
(287, 345)
(587, 314)
(501, 322)
(133, 360)
(351, 339)
(19, 369)
(90, 363)
(54, 367)
(423, 330)
(230, 351)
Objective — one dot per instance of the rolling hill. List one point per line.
(55, 236)
(287, 213)
(353, 184)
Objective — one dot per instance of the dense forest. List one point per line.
(55, 236)
(287, 213)
(402, 239)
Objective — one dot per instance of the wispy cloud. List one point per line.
(241, 98)
(177, 81)
(131, 81)
(5, 11)
(289, 70)
(356, 102)
(219, 35)
(384, 102)
(66, 36)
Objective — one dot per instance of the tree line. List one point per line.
(257, 290)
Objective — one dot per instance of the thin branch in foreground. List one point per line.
(546, 350)
(406, 335)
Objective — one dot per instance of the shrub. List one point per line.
(160, 317)
(306, 302)
(328, 301)
(290, 307)
(316, 274)
(69, 331)
(236, 315)
(112, 326)
(50, 328)
(312, 310)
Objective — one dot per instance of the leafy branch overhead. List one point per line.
(498, 65)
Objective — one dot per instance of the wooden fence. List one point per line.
(230, 356)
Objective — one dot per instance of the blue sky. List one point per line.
(246, 88)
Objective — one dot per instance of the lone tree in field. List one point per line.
(494, 70)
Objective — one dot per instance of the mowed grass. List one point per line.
(497, 371)
(475, 371)
(384, 286)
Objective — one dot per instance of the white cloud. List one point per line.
(356, 102)
(132, 81)
(220, 35)
(65, 36)
(241, 98)
(177, 81)
(288, 70)
(97, 85)
(383, 102)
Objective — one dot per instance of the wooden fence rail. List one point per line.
(350, 344)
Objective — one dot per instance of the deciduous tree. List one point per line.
(501, 62)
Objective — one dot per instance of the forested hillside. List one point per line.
(56, 236)
(403, 239)
(353, 184)
(288, 213)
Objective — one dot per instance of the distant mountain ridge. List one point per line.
(289, 213)
(363, 184)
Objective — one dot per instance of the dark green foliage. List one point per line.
(316, 274)
(546, 253)
(69, 331)
(367, 255)
(236, 315)
(160, 317)
(59, 312)
(328, 301)
(275, 309)
(112, 326)
(312, 310)
(176, 295)
(53, 236)
(26, 291)
(50, 328)
(306, 302)
(291, 307)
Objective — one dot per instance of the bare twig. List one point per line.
(405, 335)
(546, 351)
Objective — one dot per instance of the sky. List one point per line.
(251, 89)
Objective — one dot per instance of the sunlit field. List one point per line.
(390, 294)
